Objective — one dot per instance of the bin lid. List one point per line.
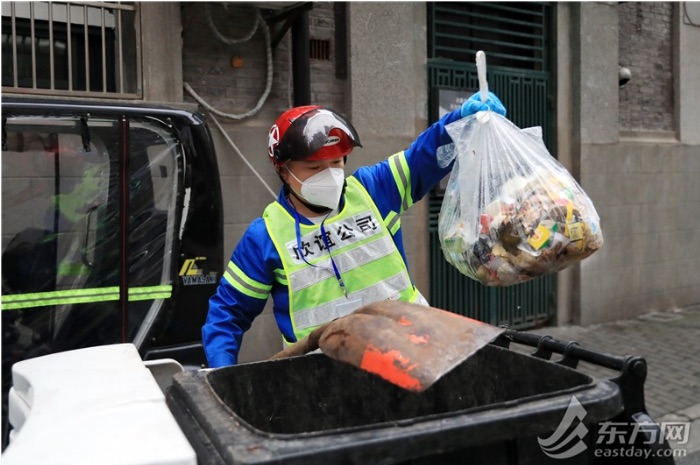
(95, 405)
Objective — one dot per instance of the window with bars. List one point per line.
(320, 49)
(513, 34)
(71, 48)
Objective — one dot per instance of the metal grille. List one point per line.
(515, 39)
(527, 94)
(319, 49)
(512, 34)
(71, 48)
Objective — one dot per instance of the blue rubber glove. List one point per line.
(474, 104)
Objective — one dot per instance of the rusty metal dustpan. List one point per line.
(409, 345)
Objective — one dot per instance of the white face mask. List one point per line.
(323, 189)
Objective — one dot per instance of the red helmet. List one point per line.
(310, 133)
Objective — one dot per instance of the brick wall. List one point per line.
(326, 89)
(208, 62)
(645, 35)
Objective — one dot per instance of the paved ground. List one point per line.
(670, 343)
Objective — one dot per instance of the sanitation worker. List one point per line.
(329, 244)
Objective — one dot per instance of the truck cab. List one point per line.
(112, 229)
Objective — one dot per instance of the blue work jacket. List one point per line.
(255, 259)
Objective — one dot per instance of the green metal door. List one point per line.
(516, 40)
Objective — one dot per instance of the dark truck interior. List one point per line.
(93, 233)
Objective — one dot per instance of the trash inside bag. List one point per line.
(511, 212)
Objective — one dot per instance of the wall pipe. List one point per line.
(301, 67)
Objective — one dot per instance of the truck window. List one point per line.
(87, 225)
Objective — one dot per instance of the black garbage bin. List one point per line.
(495, 408)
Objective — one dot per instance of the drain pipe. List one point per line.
(301, 67)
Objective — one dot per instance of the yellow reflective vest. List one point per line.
(362, 249)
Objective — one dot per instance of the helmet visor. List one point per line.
(309, 133)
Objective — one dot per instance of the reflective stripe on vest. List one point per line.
(393, 222)
(362, 249)
(241, 282)
(82, 296)
(402, 178)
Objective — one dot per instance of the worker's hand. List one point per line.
(474, 104)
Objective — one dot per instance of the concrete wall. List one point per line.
(642, 180)
(389, 105)
(162, 59)
(649, 215)
(568, 279)
(687, 73)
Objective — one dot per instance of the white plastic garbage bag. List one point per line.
(511, 211)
